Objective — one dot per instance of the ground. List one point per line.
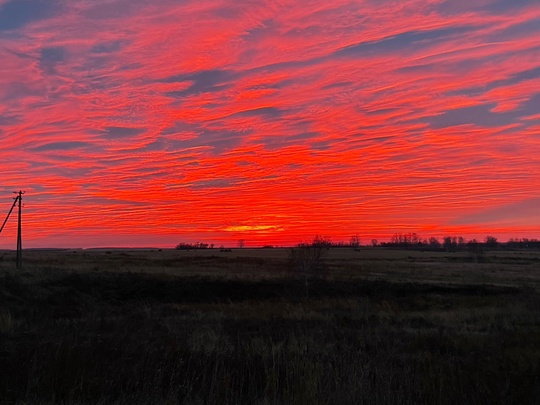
(380, 326)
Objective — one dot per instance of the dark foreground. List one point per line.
(176, 328)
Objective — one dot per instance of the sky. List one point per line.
(151, 123)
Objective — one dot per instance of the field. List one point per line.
(208, 327)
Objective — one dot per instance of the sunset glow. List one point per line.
(136, 123)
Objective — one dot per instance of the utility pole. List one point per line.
(19, 232)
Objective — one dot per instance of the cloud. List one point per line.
(62, 146)
(523, 212)
(50, 57)
(15, 14)
(315, 117)
(200, 82)
(122, 132)
(480, 115)
(401, 41)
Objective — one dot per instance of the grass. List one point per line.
(385, 327)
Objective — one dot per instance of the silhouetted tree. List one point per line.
(450, 243)
(514, 243)
(476, 249)
(307, 260)
(524, 243)
(322, 241)
(355, 241)
(434, 243)
(407, 240)
(189, 246)
(491, 242)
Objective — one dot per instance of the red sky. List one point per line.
(137, 123)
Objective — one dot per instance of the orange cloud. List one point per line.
(144, 123)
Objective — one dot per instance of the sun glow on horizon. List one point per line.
(254, 228)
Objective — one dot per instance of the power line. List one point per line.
(9, 213)
(18, 200)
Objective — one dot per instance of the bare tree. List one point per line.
(241, 243)
(491, 242)
(355, 241)
(476, 249)
(307, 260)
(450, 243)
(434, 243)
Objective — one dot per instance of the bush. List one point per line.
(307, 260)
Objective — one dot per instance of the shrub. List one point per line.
(307, 260)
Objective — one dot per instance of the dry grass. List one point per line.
(205, 327)
(513, 268)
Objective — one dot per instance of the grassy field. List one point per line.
(209, 327)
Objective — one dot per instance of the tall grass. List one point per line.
(101, 337)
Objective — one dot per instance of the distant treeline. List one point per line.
(413, 241)
(410, 241)
(458, 243)
(193, 246)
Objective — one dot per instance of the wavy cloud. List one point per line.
(140, 123)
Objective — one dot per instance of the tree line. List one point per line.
(410, 241)
(457, 243)
(413, 240)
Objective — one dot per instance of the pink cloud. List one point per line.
(168, 120)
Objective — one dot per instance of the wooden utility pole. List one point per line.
(19, 232)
